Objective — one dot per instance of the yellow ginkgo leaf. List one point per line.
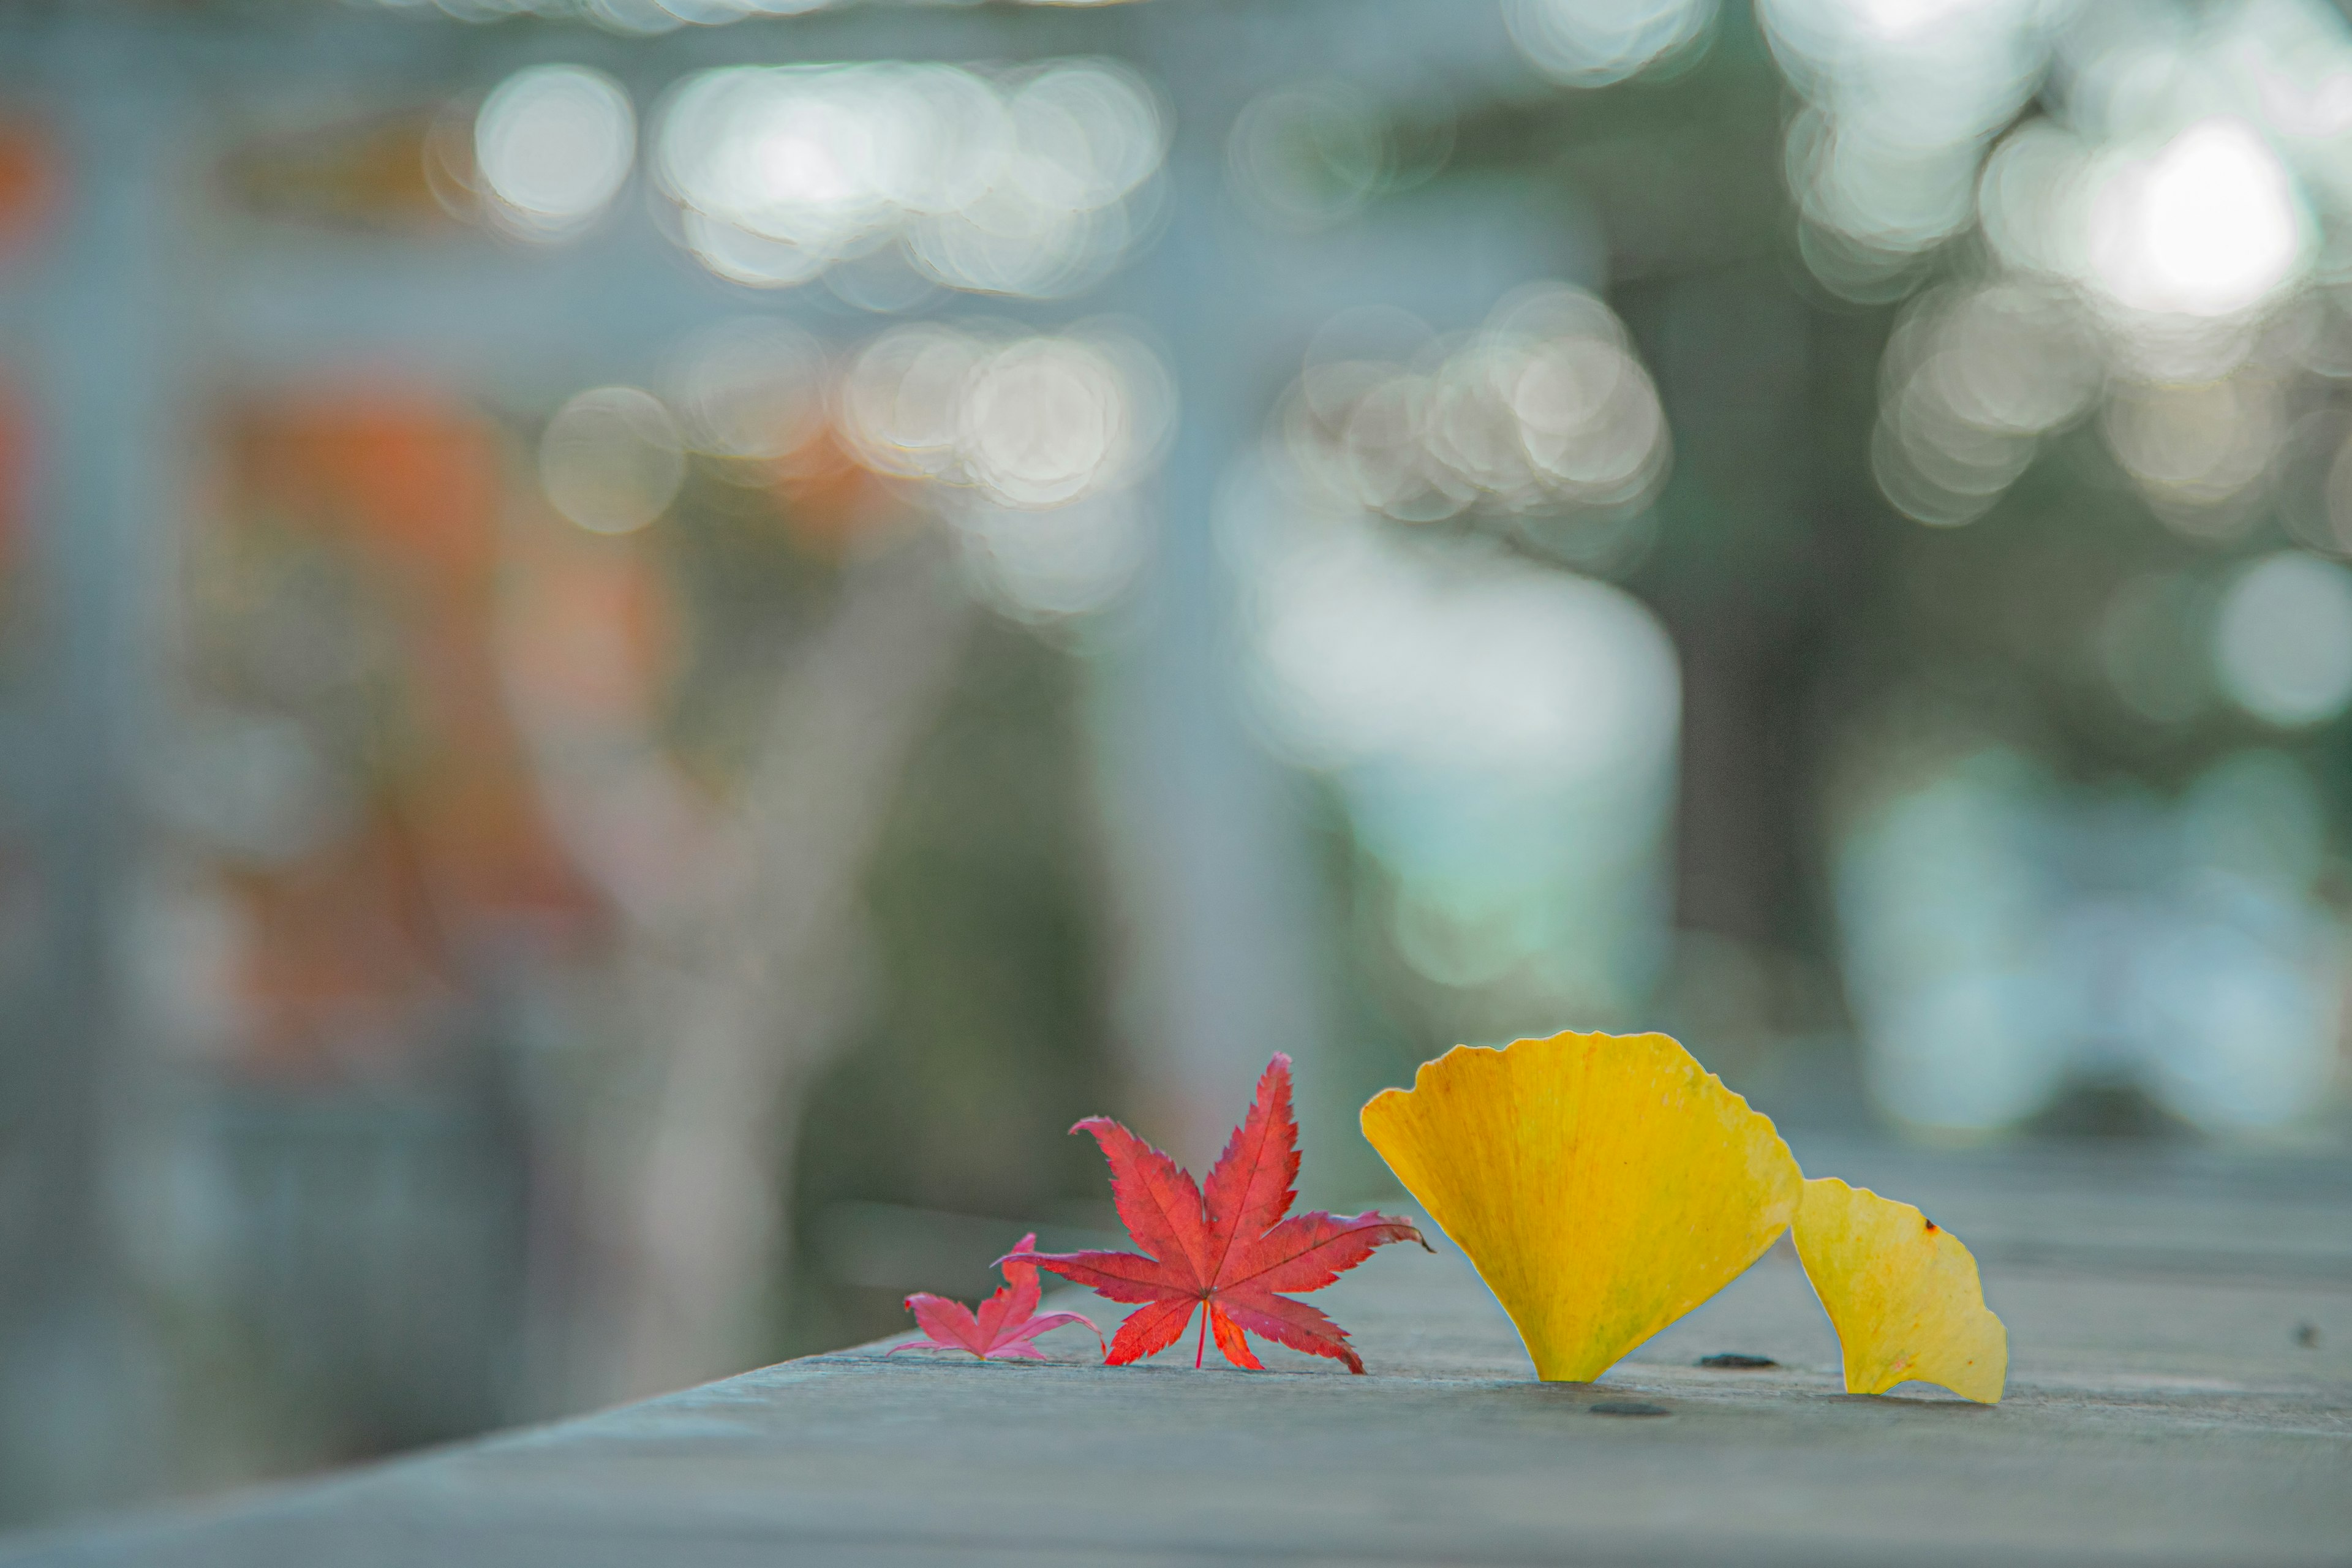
(1902, 1292)
(1603, 1184)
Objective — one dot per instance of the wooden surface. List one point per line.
(2180, 1390)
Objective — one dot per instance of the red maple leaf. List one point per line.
(1006, 1325)
(1229, 1250)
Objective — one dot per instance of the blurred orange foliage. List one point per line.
(31, 181)
(451, 848)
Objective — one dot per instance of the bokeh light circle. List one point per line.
(611, 459)
(2283, 639)
(552, 145)
(1030, 181)
(1591, 43)
(2209, 225)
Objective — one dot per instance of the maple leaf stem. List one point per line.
(1201, 1347)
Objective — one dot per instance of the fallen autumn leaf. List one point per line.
(1603, 1184)
(1903, 1293)
(1006, 1327)
(1228, 1251)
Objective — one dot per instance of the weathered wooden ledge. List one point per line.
(2180, 1391)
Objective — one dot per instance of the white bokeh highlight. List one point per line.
(553, 147)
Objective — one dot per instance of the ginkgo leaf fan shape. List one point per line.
(1603, 1184)
(1903, 1293)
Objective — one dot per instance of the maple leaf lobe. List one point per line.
(1007, 1324)
(1225, 1247)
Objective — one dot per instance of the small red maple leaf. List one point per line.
(1006, 1325)
(1229, 1250)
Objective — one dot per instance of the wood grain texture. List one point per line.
(2180, 1391)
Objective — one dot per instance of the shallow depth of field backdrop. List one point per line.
(643, 642)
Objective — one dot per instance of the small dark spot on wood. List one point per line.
(1630, 1407)
(1736, 1360)
(2308, 1335)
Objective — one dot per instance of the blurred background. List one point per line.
(643, 642)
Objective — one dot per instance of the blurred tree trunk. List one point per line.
(743, 967)
(749, 993)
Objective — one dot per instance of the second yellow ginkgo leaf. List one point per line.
(1902, 1292)
(1603, 1184)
